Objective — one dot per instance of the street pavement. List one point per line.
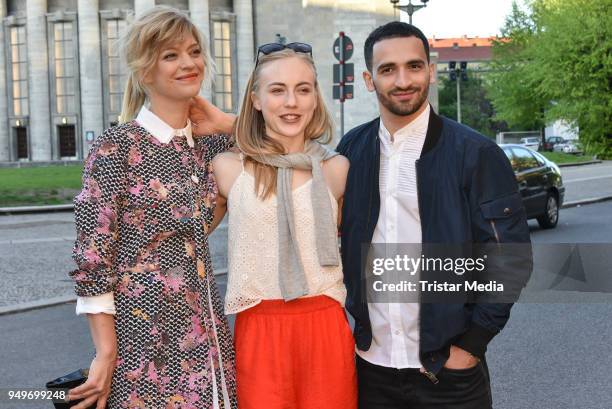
(549, 356)
(583, 182)
(35, 249)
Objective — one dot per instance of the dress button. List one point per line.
(507, 210)
(195, 179)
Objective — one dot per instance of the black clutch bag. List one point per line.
(72, 380)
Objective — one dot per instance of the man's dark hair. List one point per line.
(393, 29)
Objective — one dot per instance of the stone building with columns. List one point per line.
(61, 78)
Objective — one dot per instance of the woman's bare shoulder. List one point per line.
(338, 165)
(227, 158)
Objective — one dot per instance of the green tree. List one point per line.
(476, 108)
(511, 86)
(555, 62)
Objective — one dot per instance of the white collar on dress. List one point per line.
(161, 130)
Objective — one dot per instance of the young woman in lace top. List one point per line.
(144, 274)
(294, 347)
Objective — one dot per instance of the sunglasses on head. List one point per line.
(275, 47)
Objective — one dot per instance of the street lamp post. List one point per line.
(409, 8)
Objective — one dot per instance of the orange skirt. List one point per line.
(295, 355)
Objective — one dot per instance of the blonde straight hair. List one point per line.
(250, 128)
(142, 44)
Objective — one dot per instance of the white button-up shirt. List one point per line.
(164, 133)
(395, 326)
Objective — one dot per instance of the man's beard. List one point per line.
(402, 108)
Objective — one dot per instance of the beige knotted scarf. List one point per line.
(292, 278)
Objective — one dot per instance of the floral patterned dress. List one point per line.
(142, 220)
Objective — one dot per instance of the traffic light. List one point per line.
(464, 75)
(452, 70)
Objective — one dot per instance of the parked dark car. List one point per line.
(551, 141)
(540, 184)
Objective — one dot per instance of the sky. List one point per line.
(455, 18)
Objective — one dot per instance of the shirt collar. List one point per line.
(418, 128)
(161, 130)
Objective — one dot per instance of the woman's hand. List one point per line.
(98, 385)
(207, 119)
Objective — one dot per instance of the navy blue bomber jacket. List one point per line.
(467, 193)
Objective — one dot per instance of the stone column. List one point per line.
(4, 125)
(200, 15)
(140, 6)
(91, 71)
(245, 37)
(41, 146)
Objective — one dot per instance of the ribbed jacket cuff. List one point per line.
(475, 340)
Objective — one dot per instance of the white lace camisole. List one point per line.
(253, 247)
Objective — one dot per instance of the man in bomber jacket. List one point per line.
(413, 170)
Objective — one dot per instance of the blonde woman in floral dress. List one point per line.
(144, 274)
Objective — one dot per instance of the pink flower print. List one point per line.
(91, 190)
(134, 402)
(136, 190)
(195, 336)
(80, 275)
(135, 218)
(129, 288)
(194, 379)
(107, 148)
(135, 374)
(193, 301)
(134, 136)
(155, 141)
(106, 220)
(182, 213)
(134, 156)
(154, 377)
(145, 262)
(172, 280)
(176, 402)
(176, 145)
(190, 248)
(94, 189)
(92, 257)
(159, 190)
(185, 160)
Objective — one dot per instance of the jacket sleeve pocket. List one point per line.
(503, 216)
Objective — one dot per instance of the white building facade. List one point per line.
(61, 78)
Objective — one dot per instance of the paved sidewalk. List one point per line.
(586, 182)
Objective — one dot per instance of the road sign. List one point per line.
(348, 48)
(349, 73)
(348, 92)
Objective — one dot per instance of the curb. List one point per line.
(51, 302)
(36, 209)
(34, 305)
(567, 165)
(581, 202)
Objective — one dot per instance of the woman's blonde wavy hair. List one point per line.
(141, 45)
(250, 128)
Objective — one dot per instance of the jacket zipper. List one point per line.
(430, 375)
(494, 230)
